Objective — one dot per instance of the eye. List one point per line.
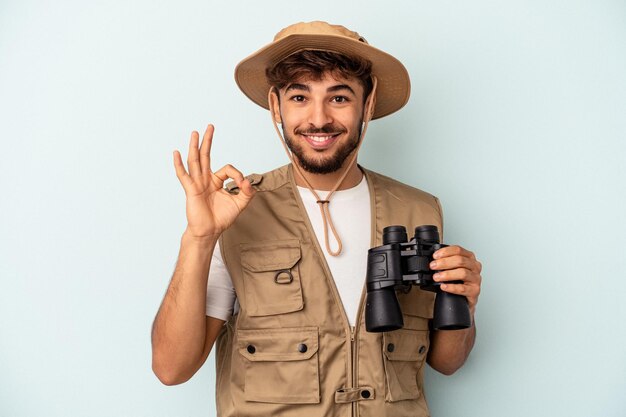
(297, 98)
(340, 99)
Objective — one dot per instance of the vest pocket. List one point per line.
(404, 352)
(281, 365)
(271, 277)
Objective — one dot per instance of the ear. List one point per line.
(370, 106)
(370, 103)
(275, 105)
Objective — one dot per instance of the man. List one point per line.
(285, 280)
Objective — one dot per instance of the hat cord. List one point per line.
(324, 203)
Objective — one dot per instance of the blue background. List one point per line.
(516, 121)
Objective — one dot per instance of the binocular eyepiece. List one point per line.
(396, 265)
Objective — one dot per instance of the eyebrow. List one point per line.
(340, 87)
(299, 87)
(333, 89)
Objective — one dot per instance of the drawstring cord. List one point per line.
(323, 203)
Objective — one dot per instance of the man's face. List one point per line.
(321, 121)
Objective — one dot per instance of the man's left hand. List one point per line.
(455, 263)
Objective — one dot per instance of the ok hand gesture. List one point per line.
(210, 208)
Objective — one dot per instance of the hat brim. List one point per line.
(394, 86)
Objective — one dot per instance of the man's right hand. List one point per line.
(210, 208)
(182, 334)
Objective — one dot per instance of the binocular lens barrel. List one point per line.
(382, 311)
(394, 234)
(451, 312)
(428, 234)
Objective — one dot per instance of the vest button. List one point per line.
(302, 348)
(365, 393)
(251, 349)
(422, 349)
(390, 347)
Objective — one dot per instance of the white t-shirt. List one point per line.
(351, 214)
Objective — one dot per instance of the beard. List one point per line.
(320, 164)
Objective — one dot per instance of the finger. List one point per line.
(193, 160)
(459, 274)
(452, 262)
(226, 172)
(181, 173)
(453, 250)
(205, 150)
(470, 291)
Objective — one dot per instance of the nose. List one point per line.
(320, 115)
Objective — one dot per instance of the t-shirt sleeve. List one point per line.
(220, 294)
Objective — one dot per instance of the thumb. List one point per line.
(247, 192)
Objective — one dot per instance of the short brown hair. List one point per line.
(312, 65)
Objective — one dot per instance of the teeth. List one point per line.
(319, 138)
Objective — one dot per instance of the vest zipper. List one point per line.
(352, 365)
(357, 325)
(355, 409)
(359, 315)
(355, 349)
(349, 330)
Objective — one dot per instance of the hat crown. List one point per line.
(318, 28)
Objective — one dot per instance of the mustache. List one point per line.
(329, 128)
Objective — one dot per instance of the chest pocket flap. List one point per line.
(271, 277)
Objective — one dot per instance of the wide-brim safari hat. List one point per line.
(394, 86)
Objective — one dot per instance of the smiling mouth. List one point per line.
(321, 141)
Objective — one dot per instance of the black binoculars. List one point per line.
(397, 265)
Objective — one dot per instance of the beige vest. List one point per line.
(290, 351)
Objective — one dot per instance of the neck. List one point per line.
(326, 182)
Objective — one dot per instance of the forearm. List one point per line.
(179, 329)
(450, 348)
